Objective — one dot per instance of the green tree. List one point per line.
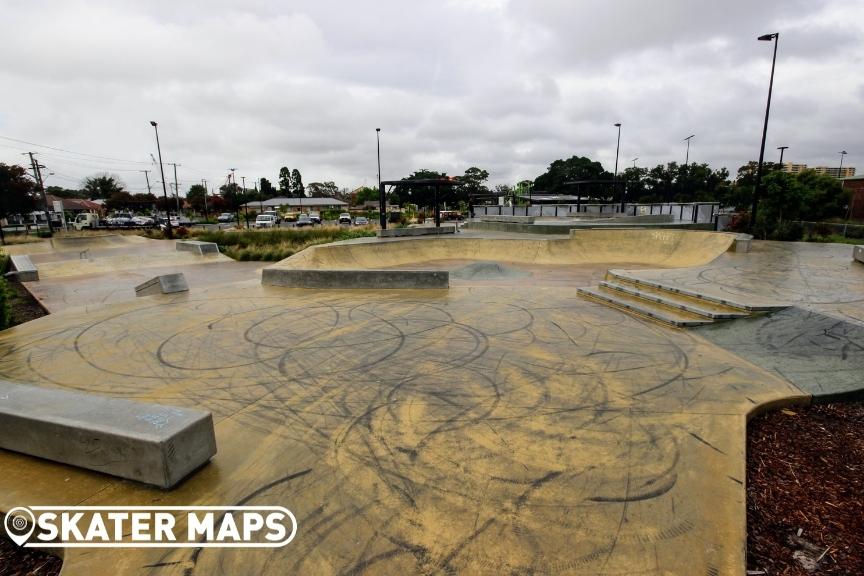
(17, 191)
(61, 192)
(195, 197)
(297, 188)
(364, 194)
(285, 187)
(472, 182)
(574, 169)
(102, 186)
(322, 189)
(119, 201)
(267, 190)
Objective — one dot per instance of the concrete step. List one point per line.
(675, 301)
(642, 307)
(620, 277)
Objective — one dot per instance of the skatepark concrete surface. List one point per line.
(503, 425)
(100, 269)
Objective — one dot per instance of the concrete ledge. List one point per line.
(24, 268)
(566, 227)
(742, 243)
(512, 219)
(197, 247)
(164, 284)
(858, 253)
(359, 279)
(150, 443)
(420, 231)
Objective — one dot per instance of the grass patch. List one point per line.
(835, 239)
(276, 244)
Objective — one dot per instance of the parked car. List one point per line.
(304, 220)
(119, 219)
(265, 221)
(142, 221)
(345, 218)
(315, 217)
(225, 217)
(274, 214)
(361, 221)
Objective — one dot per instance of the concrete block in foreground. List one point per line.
(742, 243)
(360, 279)
(197, 247)
(150, 443)
(164, 284)
(24, 268)
(420, 231)
(858, 253)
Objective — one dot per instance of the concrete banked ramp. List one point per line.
(667, 248)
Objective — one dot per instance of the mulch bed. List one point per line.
(24, 306)
(15, 561)
(805, 491)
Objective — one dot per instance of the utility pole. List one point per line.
(204, 183)
(38, 176)
(176, 188)
(233, 179)
(147, 178)
(687, 157)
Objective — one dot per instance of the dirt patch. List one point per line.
(16, 561)
(805, 491)
(24, 306)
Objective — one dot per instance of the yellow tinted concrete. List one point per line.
(673, 248)
(475, 430)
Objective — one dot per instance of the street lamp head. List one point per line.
(153, 123)
(618, 124)
(843, 152)
(690, 136)
(377, 129)
(768, 37)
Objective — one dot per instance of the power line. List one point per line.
(73, 152)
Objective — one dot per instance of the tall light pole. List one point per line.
(687, 157)
(634, 161)
(781, 149)
(615, 176)
(840, 170)
(168, 230)
(757, 189)
(382, 201)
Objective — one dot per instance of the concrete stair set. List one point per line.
(666, 304)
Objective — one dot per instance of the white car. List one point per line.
(315, 217)
(142, 221)
(265, 221)
(345, 218)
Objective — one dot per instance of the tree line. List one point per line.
(785, 197)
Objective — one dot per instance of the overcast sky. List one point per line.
(508, 86)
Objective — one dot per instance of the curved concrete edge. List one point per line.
(356, 279)
(150, 443)
(657, 247)
(858, 253)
